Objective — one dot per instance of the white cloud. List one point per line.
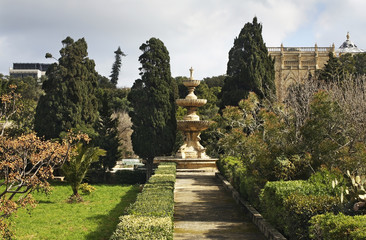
(197, 33)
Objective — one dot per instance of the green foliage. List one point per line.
(134, 227)
(289, 205)
(107, 129)
(86, 188)
(338, 227)
(116, 66)
(151, 216)
(153, 101)
(69, 101)
(300, 208)
(360, 63)
(79, 163)
(130, 177)
(250, 68)
(210, 109)
(343, 68)
(29, 91)
(323, 131)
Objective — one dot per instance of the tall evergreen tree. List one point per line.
(69, 101)
(249, 68)
(107, 131)
(153, 100)
(116, 66)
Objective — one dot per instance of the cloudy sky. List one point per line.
(197, 33)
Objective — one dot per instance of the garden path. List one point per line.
(204, 210)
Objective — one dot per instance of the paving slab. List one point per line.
(204, 210)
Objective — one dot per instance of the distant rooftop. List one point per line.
(348, 47)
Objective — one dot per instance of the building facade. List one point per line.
(35, 70)
(294, 64)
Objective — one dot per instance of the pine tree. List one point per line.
(249, 68)
(116, 66)
(107, 131)
(69, 101)
(153, 100)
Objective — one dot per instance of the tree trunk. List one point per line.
(149, 167)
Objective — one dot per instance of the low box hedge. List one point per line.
(141, 228)
(289, 205)
(151, 215)
(338, 227)
(130, 177)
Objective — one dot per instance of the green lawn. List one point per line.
(95, 218)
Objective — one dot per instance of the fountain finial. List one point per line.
(191, 70)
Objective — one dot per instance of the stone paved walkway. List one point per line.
(204, 210)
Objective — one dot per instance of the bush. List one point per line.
(338, 227)
(141, 227)
(86, 188)
(130, 177)
(151, 215)
(290, 205)
(247, 185)
(300, 208)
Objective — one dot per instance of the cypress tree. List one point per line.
(69, 101)
(249, 68)
(107, 131)
(153, 100)
(116, 66)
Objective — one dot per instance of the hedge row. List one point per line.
(234, 171)
(289, 205)
(151, 216)
(338, 227)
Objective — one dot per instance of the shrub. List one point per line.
(338, 227)
(130, 177)
(290, 205)
(141, 227)
(248, 185)
(86, 188)
(151, 215)
(300, 208)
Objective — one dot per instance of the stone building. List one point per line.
(294, 64)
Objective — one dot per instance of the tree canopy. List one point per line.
(153, 101)
(249, 68)
(69, 101)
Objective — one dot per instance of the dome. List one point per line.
(348, 47)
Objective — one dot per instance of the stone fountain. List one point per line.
(191, 154)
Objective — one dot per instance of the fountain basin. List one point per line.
(191, 83)
(191, 102)
(188, 126)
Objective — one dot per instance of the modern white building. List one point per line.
(21, 70)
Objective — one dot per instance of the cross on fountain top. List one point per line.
(191, 70)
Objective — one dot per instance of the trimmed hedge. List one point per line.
(130, 177)
(151, 215)
(338, 227)
(289, 205)
(141, 228)
(234, 171)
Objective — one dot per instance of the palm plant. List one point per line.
(78, 165)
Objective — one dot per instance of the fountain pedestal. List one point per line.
(191, 155)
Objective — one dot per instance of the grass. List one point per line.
(95, 218)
